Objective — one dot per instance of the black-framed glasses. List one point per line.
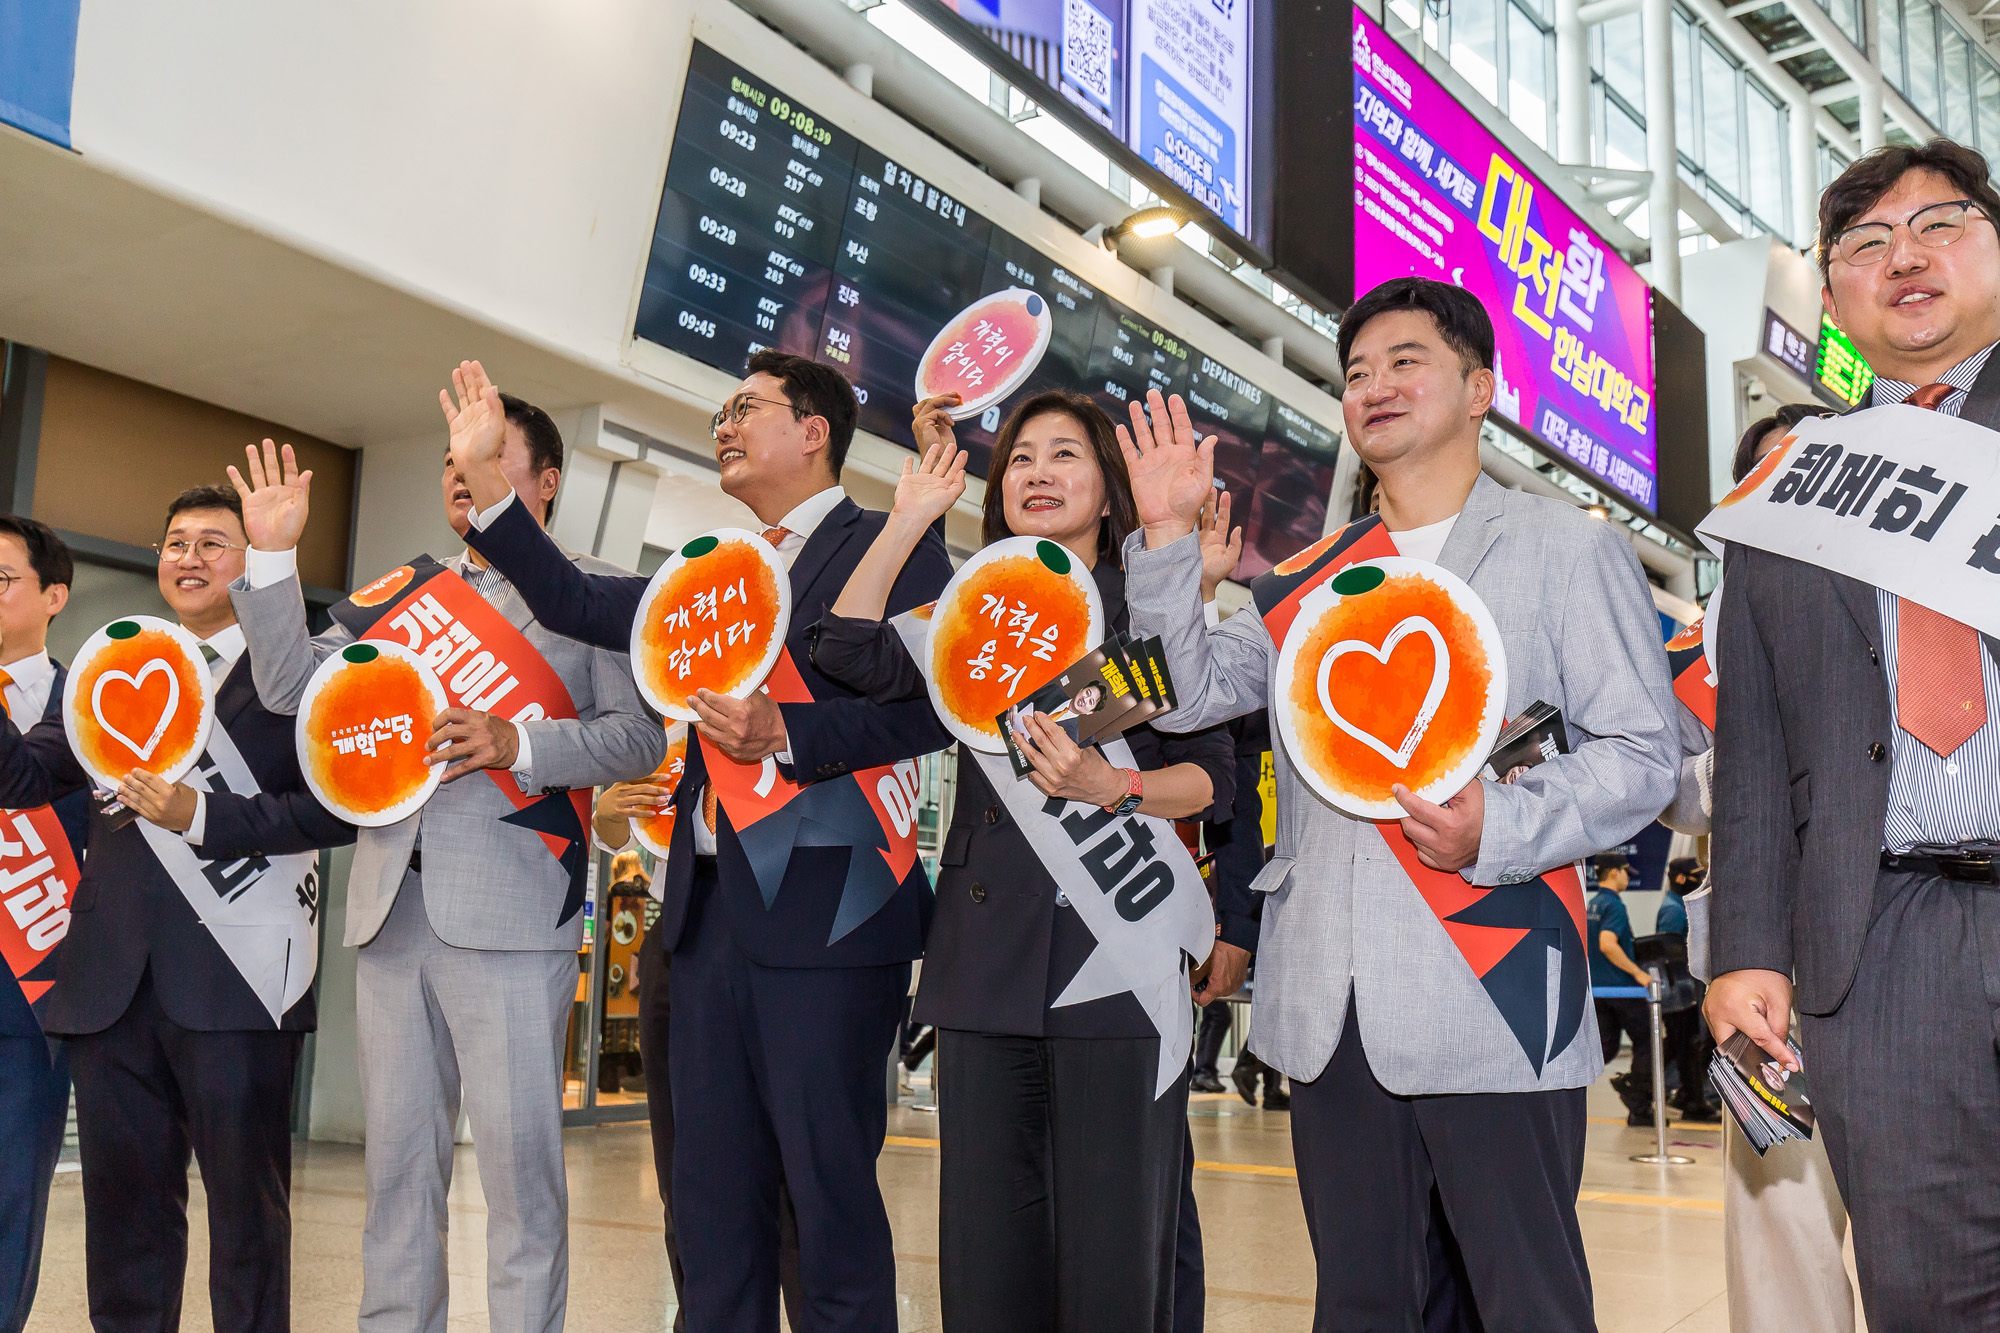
(7, 582)
(206, 549)
(740, 407)
(1934, 225)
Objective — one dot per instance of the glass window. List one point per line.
(1986, 86)
(1684, 90)
(1767, 152)
(1889, 28)
(1624, 139)
(1528, 75)
(1957, 84)
(1721, 141)
(1920, 51)
(1847, 13)
(1475, 47)
(1625, 58)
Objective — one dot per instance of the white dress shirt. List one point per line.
(228, 645)
(28, 694)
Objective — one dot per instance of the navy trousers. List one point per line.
(778, 1079)
(34, 1103)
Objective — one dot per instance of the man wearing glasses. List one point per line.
(785, 1003)
(1857, 788)
(175, 1048)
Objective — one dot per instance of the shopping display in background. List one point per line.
(1436, 196)
(1897, 497)
(714, 617)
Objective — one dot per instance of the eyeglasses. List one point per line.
(1935, 225)
(208, 550)
(739, 407)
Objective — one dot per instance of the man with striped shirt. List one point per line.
(1857, 788)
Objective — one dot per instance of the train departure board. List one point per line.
(777, 229)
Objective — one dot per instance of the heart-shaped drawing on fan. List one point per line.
(156, 666)
(1433, 696)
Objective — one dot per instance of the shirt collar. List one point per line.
(1960, 377)
(228, 645)
(30, 672)
(809, 513)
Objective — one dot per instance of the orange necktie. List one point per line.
(5, 681)
(1940, 694)
(776, 535)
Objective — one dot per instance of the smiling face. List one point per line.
(1409, 396)
(536, 487)
(772, 450)
(26, 607)
(1919, 310)
(196, 588)
(1052, 486)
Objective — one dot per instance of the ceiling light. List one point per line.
(1149, 224)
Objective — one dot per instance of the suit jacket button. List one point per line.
(1874, 656)
(992, 814)
(978, 892)
(1877, 752)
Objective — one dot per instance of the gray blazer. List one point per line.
(1581, 633)
(487, 885)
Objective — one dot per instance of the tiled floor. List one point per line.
(1654, 1234)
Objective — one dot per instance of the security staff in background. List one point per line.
(1610, 932)
(1687, 1044)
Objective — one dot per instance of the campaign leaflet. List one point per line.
(1438, 197)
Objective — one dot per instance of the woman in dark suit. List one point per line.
(1061, 1170)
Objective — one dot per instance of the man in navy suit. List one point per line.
(35, 573)
(783, 1012)
(173, 1049)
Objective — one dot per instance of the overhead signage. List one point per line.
(1788, 347)
(1840, 375)
(1437, 196)
(778, 229)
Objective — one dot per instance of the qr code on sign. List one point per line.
(1087, 51)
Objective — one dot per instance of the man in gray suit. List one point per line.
(1437, 1082)
(467, 913)
(1857, 788)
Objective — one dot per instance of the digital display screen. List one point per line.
(1175, 84)
(777, 229)
(1841, 376)
(1787, 346)
(1437, 196)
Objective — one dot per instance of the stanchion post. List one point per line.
(1660, 1156)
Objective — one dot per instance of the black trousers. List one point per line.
(1631, 1018)
(1060, 1188)
(1190, 1271)
(1905, 1081)
(1393, 1186)
(34, 1103)
(148, 1094)
(655, 1043)
(1689, 1047)
(1208, 1038)
(777, 1085)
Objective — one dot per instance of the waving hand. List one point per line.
(275, 503)
(1172, 474)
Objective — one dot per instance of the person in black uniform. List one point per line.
(1061, 1170)
(173, 1051)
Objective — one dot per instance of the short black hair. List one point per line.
(1610, 861)
(1869, 177)
(1457, 313)
(545, 444)
(1786, 417)
(48, 554)
(204, 497)
(814, 391)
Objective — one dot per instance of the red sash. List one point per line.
(487, 665)
(38, 876)
(1484, 924)
(1694, 686)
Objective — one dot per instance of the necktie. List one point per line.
(209, 655)
(776, 536)
(5, 681)
(1940, 695)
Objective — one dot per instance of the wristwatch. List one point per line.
(1133, 795)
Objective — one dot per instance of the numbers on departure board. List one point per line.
(696, 324)
(767, 314)
(777, 268)
(738, 135)
(724, 181)
(707, 277)
(721, 231)
(1116, 391)
(857, 252)
(847, 295)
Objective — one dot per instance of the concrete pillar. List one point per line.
(1871, 113)
(1030, 189)
(607, 492)
(1805, 173)
(1163, 277)
(1274, 347)
(1572, 84)
(1663, 203)
(861, 78)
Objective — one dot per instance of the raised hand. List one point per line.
(1172, 474)
(930, 486)
(930, 421)
(275, 501)
(478, 421)
(1221, 547)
